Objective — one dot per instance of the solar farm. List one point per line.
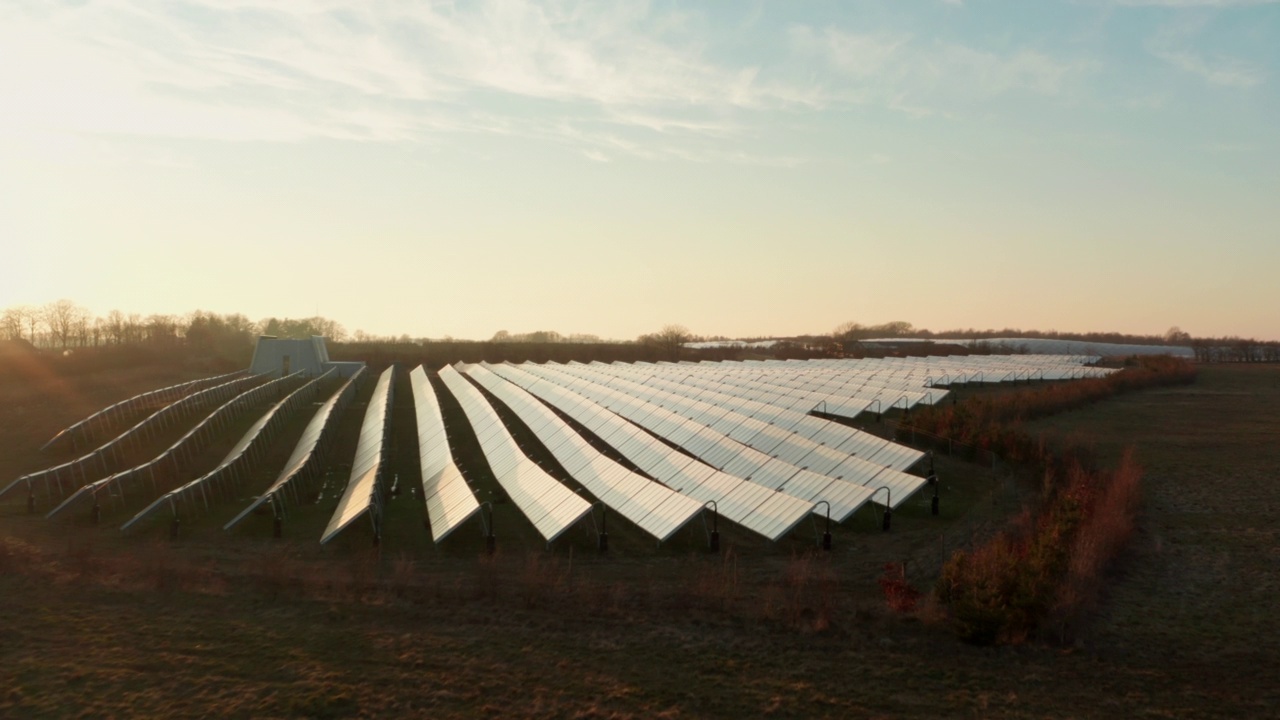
(304, 538)
(762, 448)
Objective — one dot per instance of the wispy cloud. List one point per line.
(1220, 70)
(922, 77)
(615, 79)
(265, 70)
(1175, 43)
(856, 54)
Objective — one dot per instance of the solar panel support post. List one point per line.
(825, 540)
(97, 511)
(933, 502)
(490, 542)
(713, 538)
(277, 516)
(31, 499)
(886, 519)
(603, 537)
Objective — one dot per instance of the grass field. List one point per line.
(94, 623)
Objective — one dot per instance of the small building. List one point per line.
(285, 356)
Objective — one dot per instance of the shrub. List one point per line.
(1048, 567)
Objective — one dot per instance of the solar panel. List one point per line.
(833, 436)
(449, 499)
(719, 450)
(754, 507)
(551, 507)
(88, 429)
(362, 494)
(654, 508)
(307, 453)
(170, 459)
(235, 465)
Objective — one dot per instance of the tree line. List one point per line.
(1206, 349)
(64, 325)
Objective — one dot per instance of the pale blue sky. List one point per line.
(740, 168)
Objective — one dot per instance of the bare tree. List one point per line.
(847, 331)
(1176, 336)
(81, 325)
(669, 340)
(62, 317)
(162, 329)
(33, 318)
(133, 328)
(11, 323)
(115, 324)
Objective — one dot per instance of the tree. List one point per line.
(669, 341)
(11, 323)
(33, 318)
(847, 331)
(115, 326)
(1176, 336)
(63, 318)
(303, 328)
(163, 329)
(895, 328)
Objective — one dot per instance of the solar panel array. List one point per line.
(303, 465)
(654, 442)
(551, 507)
(757, 508)
(227, 475)
(109, 457)
(653, 507)
(802, 386)
(91, 428)
(449, 499)
(798, 438)
(776, 411)
(750, 448)
(170, 463)
(363, 493)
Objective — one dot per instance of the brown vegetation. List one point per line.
(993, 423)
(1040, 574)
(1046, 569)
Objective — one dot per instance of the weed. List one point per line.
(899, 595)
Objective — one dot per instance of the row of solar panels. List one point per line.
(234, 468)
(109, 457)
(89, 429)
(746, 444)
(363, 492)
(181, 453)
(304, 463)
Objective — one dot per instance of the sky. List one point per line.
(743, 169)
